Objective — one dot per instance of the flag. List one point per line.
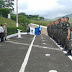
(34, 31)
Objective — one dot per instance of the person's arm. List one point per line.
(68, 37)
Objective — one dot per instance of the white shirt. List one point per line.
(1, 29)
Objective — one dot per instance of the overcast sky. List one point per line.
(46, 8)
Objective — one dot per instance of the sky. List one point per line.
(47, 8)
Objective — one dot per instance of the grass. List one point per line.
(11, 25)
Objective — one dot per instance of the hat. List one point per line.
(5, 23)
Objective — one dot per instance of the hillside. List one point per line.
(10, 23)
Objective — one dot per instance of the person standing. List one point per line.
(68, 40)
(2, 33)
(39, 29)
(28, 29)
(5, 31)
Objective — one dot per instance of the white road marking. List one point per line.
(34, 45)
(45, 47)
(52, 71)
(44, 43)
(27, 56)
(17, 43)
(37, 46)
(65, 52)
(41, 36)
(47, 54)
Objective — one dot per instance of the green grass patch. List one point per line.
(11, 25)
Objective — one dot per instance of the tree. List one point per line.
(13, 17)
(41, 18)
(4, 12)
(23, 20)
(2, 4)
(9, 4)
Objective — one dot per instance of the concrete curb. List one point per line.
(13, 35)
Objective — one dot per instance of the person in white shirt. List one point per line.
(2, 33)
(5, 31)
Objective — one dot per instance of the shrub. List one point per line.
(12, 30)
(4, 12)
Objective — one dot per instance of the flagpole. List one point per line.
(16, 13)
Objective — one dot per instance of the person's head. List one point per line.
(66, 19)
(5, 24)
(62, 19)
(59, 20)
(1, 25)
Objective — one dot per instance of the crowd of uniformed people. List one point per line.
(60, 31)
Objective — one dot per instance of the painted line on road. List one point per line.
(44, 43)
(27, 56)
(17, 43)
(41, 36)
(52, 71)
(65, 52)
(47, 55)
(42, 47)
(33, 45)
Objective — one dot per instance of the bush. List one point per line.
(4, 12)
(12, 30)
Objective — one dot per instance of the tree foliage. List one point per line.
(2, 4)
(23, 20)
(7, 4)
(4, 12)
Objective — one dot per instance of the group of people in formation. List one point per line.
(3, 32)
(60, 31)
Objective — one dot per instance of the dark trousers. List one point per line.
(39, 32)
(2, 37)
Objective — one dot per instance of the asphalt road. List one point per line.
(39, 54)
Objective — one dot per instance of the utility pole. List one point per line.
(16, 13)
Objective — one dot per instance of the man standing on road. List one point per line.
(39, 29)
(67, 31)
(5, 31)
(2, 33)
(28, 29)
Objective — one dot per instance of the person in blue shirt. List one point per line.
(39, 29)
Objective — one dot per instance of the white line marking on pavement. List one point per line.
(65, 52)
(52, 71)
(17, 43)
(33, 45)
(46, 47)
(47, 54)
(27, 56)
(41, 36)
(44, 43)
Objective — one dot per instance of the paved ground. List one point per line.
(33, 54)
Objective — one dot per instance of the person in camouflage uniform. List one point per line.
(59, 30)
